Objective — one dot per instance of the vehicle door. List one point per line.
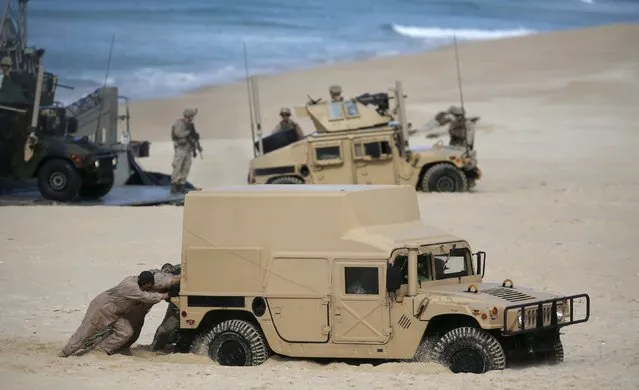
(327, 163)
(373, 161)
(360, 309)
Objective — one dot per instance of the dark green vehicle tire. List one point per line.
(58, 180)
(96, 191)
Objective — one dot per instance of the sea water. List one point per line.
(164, 47)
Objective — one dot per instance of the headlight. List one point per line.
(96, 164)
(114, 161)
(520, 319)
(561, 307)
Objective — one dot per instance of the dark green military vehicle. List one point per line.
(36, 134)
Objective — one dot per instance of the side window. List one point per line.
(423, 267)
(328, 153)
(452, 267)
(361, 280)
(374, 150)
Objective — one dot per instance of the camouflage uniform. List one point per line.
(183, 148)
(171, 320)
(287, 123)
(460, 128)
(336, 93)
(6, 65)
(108, 308)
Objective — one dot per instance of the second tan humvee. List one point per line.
(361, 141)
(325, 272)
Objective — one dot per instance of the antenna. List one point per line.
(106, 78)
(461, 94)
(250, 97)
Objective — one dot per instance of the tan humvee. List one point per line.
(325, 272)
(361, 141)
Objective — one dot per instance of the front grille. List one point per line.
(530, 316)
(508, 294)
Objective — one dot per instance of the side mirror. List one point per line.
(393, 278)
(481, 263)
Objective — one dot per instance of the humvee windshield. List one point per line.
(444, 267)
(335, 111)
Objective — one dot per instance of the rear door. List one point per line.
(360, 311)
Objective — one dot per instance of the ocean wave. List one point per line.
(467, 34)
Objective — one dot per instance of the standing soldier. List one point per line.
(183, 135)
(336, 93)
(460, 128)
(287, 123)
(5, 69)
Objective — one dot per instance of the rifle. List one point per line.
(194, 140)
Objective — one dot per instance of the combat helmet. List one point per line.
(455, 110)
(190, 112)
(285, 111)
(6, 61)
(335, 89)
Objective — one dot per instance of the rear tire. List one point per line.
(444, 178)
(287, 180)
(233, 343)
(470, 350)
(58, 180)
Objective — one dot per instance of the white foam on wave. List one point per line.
(469, 34)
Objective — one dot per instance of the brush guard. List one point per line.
(539, 316)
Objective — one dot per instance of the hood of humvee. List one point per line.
(291, 154)
(437, 149)
(492, 294)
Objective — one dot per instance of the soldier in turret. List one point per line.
(287, 123)
(336, 93)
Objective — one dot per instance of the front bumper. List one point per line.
(100, 170)
(541, 315)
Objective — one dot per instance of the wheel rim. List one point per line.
(445, 184)
(57, 181)
(467, 360)
(230, 351)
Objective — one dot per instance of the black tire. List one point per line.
(233, 343)
(96, 191)
(444, 178)
(555, 356)
(58, 180)
(287, 180)
(467, 349)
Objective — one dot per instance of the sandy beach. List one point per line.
(557, 210)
